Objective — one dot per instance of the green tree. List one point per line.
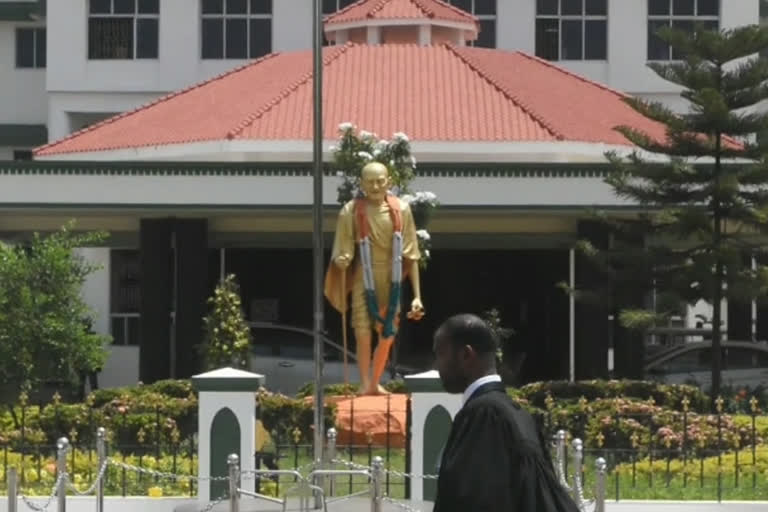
(44, 322)
(228, 337)
(708, 201)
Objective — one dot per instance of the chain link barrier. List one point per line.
(43, 508)
(305, 483)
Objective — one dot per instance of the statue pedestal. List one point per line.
(432, 413)
(226, 424)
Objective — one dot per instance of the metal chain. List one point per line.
(165, 475)
(213, 504)
(410, 475)
(354, 465)
(399, 505)
(92, 488)
(582, 503)
(44, 508)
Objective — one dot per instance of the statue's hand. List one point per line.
(417, 310)
(342, 261)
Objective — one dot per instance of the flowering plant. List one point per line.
(357, 148)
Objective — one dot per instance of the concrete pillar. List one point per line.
(425, 35)
(432, 414)
(226, 424)
(374, 35)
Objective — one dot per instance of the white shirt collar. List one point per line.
(479, 382)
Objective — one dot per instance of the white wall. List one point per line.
(121, 368)
(62, 104)
(22, 91)
(292, 25)
(179, 63)
(292, 190)
(6, 153)
(96, 288)
(625, 68)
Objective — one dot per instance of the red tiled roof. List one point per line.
(436, 93)
(400, 9)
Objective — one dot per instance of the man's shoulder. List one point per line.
(502, 407)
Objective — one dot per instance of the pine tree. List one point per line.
(707, 202)
(228, 337)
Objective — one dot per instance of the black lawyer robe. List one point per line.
(495, 460)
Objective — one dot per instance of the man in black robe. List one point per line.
(495, 458)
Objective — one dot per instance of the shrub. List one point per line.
(284, 417)
(644, 467)
(308, 389)
(663, 394)
(227, 335)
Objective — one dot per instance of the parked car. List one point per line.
(284, 354)
(743, 364)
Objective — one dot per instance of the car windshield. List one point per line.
(700, 360)
(287, 343)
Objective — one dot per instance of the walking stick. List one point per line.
(344, 323)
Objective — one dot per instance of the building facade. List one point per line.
(77, 62)
(70, 63)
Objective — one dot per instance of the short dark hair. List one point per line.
(468, 329)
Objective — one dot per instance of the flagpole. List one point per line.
(317, 229)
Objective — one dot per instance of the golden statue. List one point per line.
(374, 250)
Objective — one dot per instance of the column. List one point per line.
(155, 286)
(191, 239)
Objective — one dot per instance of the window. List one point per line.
(22, 154)
(572, 29)
(236, 29)
(331, 6)
(30, 47)
(682, 14)
(123, 29)
(485, 11)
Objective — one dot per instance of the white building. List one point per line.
(78, 61)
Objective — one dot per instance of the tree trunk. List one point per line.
(718, 281)
(716, 332)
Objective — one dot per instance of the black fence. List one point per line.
(673, 455)
(155, 448)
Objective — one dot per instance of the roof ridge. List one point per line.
(447, 5)
(505, 91)
(343, 10)
(152, 103)
(621, 94)
(376, 8)
(287, 91)
(429, 13)
(572, 74)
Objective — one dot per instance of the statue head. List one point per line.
(374, 181)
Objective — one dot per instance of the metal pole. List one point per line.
(600, 465)
(101, 451)
(331, 457)
(376, 478)
(611, 347)
(232, 462)
(753, 312)
(13, 500)
(62, 446)
(317, 229)
(578, 490)
(572, 316)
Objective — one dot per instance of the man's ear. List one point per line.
(467, 352)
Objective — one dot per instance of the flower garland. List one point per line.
(355, 149)
(386, 321)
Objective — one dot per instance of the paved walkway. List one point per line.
(358, 505)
